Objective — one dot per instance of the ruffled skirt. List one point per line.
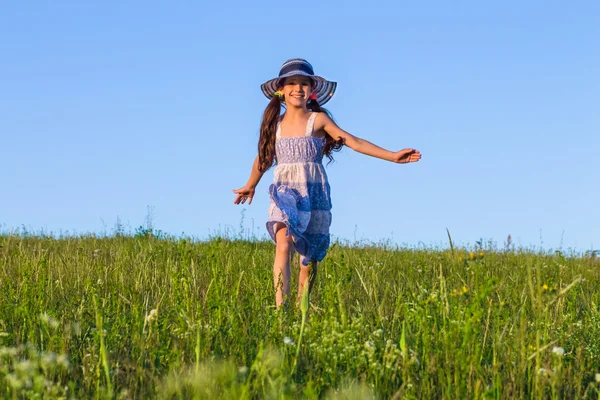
(303, 205)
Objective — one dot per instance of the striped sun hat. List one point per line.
(323, 88)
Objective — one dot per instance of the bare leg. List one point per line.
(307, 272)
(281, 267)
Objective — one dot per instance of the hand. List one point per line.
(406, 156)
(243, 194)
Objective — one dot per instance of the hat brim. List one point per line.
(321, 86)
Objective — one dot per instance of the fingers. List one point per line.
(247, 198)
(241, 198)
(408, 155)
(238, 199)
(242, 195)
(408, 152)
(414, 158)
(412, 155)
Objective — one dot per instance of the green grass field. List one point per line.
(147, 317)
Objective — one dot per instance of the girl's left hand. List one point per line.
(406, 156)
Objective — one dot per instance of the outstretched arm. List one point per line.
(365, 147)
(247, 192)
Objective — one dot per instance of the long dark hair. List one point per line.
(331, 144)
(268, 131)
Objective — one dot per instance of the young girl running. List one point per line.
(300, 210)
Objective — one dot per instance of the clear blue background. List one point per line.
(107, 108)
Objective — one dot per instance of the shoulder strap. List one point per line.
(278, 131)
(310, 124)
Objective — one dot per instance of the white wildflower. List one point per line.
(76, 328)
(8, 351)
(597, 377)
(558, 351)
(369, 344)
(288, 341)
(24, 367)
(152, 315)
(543, 371)
(47, 319)
(13, 381)
(62, 360)
(378, 333)
(243, 370)
(49, 358)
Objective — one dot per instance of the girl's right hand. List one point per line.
(243, 194)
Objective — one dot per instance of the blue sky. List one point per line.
(110, 107)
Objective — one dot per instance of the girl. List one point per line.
(300, 210)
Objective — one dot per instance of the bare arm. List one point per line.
(364, 146)
(255, 174)
(247, 192)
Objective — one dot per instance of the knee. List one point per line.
(284, 244)
(311, 268)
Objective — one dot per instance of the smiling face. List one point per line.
(296, 91)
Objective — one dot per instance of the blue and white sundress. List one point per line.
(300, 194)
